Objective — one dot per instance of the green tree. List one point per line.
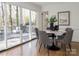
(26, 20)
(10, 17)
(17, 16)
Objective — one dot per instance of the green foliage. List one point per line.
(52, 19)
(26, 20)
(17, 16)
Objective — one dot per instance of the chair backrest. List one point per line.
(68, 36)
(37, 35)
(44, 38)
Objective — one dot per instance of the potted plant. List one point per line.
(52, 20)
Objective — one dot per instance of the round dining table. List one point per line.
(57, 33)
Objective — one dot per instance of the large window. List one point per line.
(16, 25)
(28, 24)
(13, 30)
(25, 24)
(2, 39)
(33, 23)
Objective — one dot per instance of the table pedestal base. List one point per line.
(53, 47)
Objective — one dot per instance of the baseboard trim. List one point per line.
(75, 42)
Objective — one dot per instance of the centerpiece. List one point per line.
(52, 20)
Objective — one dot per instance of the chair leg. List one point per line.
(65, 51)
(48, 51)
(40, 47)
(64, 47)
(37, 42)
(70, 47)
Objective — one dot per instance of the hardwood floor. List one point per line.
(30, 49)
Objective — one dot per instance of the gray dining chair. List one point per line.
(44, 40)
(37, 35)
(66, 40)
(70, 35)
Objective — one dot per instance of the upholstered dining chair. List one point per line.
(66, 40)
(44, 40)
(37, 35)
(70, 35)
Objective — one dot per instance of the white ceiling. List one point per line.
(41, 3)
(53, 3)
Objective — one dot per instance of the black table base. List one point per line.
(53, 47)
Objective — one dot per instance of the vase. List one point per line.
(52, 26)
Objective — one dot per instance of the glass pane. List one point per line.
(25, 24)
(33, 25)
(13, 29)
(2, 40)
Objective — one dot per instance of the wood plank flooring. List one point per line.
(30, 49)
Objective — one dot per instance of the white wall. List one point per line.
(31, 6)
(54, 8)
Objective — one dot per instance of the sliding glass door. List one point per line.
(33, 24)
(25, 24)
(28, 24)
(2, 27)
(17, 25)
(13, 29)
